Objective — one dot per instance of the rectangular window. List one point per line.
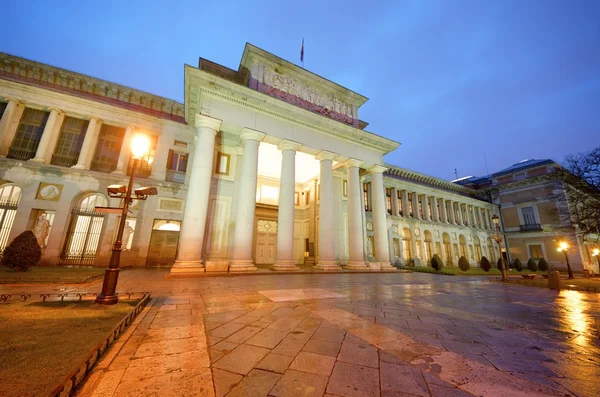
(528, 215)
(108, 148)
(399, 199)
(28, 135)
(223, 162)
(536, 252)
(144, 168)
(419, 199)
(345, 188)
(439, 209)
(388, 200)
(176, 166)
(70, 141)
(410, 205)
(429, 207)
(366, 196)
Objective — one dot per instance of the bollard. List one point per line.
(554, 280)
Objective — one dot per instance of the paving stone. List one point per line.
(225, 346)
(275, 363)
(173, 313)
(215, 355)
(322, 347)
(299, 384)
(328, 334)
(285, 323)
(359, 354)
(242, 359)
(258, 383)
(180, 321)
(289, 346)
(223, 317)
(353, 381)
(267, 337)
(527, 366)
(243, 334)
(226, 330)
(390, 358)
(161, 347)
(498, 383)
(224, 381)
(441, 391)
(313, 363)
(583, 388)
(375, 334)
(174, 384)
(402, 379)
(159, 365)
(452, 368)
(187, 331)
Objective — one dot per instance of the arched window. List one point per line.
(463, 245)
(447, 252)
(407, 245)
(84, 231)
(10, 195)
(428, 246)
(477, 249)
(491, 250)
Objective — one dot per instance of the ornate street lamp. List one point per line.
(498, 239)
(563, 247)
(140, 145)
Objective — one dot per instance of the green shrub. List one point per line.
(500, 262)
(485, 264)
(518, 265)
(22, 253)
(463, 264)
(437, 263)
(543, 265)
(531, 265)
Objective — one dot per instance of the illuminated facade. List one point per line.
(265, 166)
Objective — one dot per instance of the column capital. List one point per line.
(208, 122)
(289, 145)
(238, 150)
(250, 134)
(57, 110)
(97, 119)
(325, 155)
(14, 100)
(377, 169)
(353, 163)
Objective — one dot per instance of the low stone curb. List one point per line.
(70, 382)
(274, 273)
(567, 287)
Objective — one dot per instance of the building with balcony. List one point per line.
(267, 166)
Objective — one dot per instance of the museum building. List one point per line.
(265, 166)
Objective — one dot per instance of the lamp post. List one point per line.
(498, 239)
(140, 144)
(563, 247)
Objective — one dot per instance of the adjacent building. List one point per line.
(267, 166)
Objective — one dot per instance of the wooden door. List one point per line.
(162, 248)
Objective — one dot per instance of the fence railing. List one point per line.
(175, 176)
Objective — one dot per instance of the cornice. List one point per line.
(41, 75)
(202, 83)
(412, 176)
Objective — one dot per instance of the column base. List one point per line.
(37, 160)
(357, 265)
(386, 266)
(79, 167)
(187, 267)
(242, 266)
(327, 266)
(285, 267)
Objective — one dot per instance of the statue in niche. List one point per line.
(41, 230)
(369, 247)
(127, 233)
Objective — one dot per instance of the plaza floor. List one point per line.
(381, 334)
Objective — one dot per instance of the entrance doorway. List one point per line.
(266, 242)
(162, 249)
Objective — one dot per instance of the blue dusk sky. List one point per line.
(448, 79)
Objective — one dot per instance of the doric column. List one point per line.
(434, 209)
(382, 246)
(243, 236)
(405, 212)
(326, 260)
(191, 236)
(9, 124)
(425, 204)
(355, 210)
(285, 217)
(415, 206)
(89, 144)
(124, 153)
(49, 137)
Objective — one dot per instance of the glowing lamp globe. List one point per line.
(140, 145)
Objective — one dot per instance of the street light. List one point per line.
(596, 253)
(563, 247)
(498, 239)
(140, 145)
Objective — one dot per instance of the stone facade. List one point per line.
(265, 166)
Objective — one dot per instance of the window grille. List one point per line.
(70, 142)
(10, 195)
(108, 148)
(28, 135)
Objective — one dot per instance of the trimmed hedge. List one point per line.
(518, 265)
(437, 263)
(485, 264)
(463, 264)
(22, 253)
(531, 265)
(543, 265)
(500, 262)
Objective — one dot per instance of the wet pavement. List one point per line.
(379, 334)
